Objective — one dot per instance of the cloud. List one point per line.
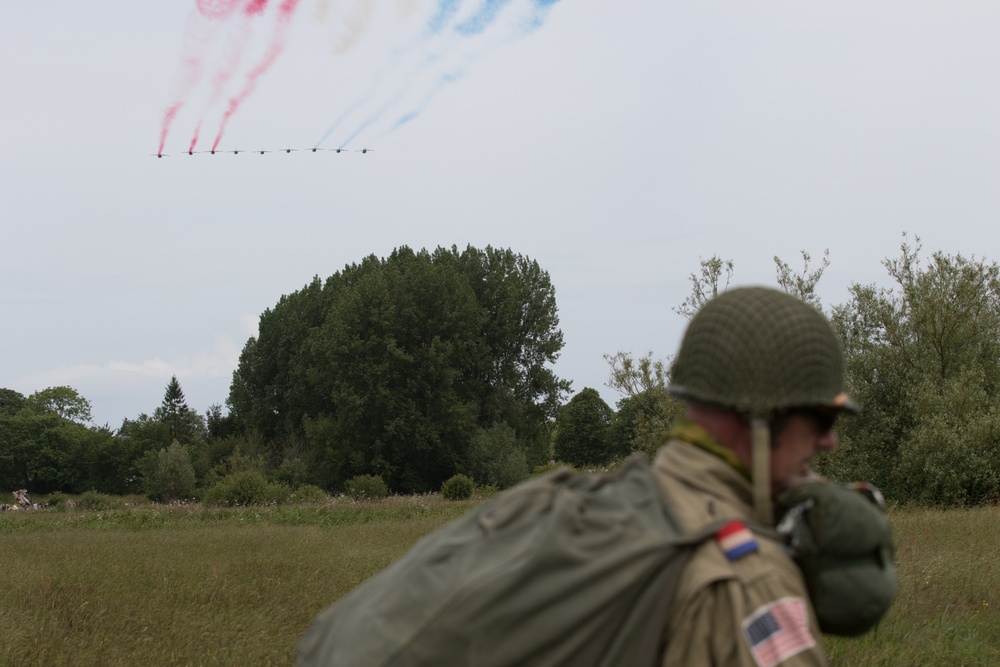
(218, 361)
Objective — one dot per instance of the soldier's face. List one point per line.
(804, 435)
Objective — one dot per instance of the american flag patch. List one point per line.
(736, 540)
(778, 631)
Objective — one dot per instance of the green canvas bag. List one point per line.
(841, 540)
(565, 569)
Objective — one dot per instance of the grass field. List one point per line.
(190, 586)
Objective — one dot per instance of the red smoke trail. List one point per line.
(235, 49)
(168, 118)
(255, 7)
(216, 9)
(285, 12)
(197, 37)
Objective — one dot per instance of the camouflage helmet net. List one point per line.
(756, 350)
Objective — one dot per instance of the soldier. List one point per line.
(762, 375)
(655, 565)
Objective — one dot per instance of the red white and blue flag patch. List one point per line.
(778, 631)
(736, 540)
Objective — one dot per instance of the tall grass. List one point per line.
(185, 586)
(239, 586)
(949, 590)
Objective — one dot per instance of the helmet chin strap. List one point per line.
(761, 470)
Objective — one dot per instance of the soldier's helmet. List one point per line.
(759, 350)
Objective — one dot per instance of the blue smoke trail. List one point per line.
(532, 22)
(445, 13)
(482, 19)
(484, 16)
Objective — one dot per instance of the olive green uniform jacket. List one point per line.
(750, 611)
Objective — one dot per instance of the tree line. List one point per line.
(424, 364)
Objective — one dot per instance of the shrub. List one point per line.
(496, 458)
(57, 499)
(92, 500)
(366, 487)
(458, 487)
(293, 472)
(170, 476)
(307, 493)
(247, 487)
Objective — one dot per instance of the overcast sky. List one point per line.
(616, 142)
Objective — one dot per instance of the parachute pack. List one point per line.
(566, 569)
(577, 569)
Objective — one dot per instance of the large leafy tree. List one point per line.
(11, 401)
(42, 451)
(391, 365)
(922, 359)
(584, 431)
(521, 333)
(271, 392)
(63, 401)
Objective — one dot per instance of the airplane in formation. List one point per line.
(237, 151)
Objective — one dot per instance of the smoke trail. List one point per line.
(285, 13)
(255, 7)
(523, 27)
(484, 16)
(482, 19)
(357, 22)
(234, 51)
(445, 13)
(197, 36)
(216, 9)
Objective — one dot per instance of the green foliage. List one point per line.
(92, 500)
(705, 284)
(246, 487)
(184, 424)
(921, 359)
(169, 475)
(366, 487)
(63, 401)
(458, 487)
(56, 499)
(293, 472)
(646, 411)
(218, 425)
(584, 436)
(708, 283)
(802, 285)
(952, 456)
(11, 402)
(495, 457)
(632, 377)
(643, 420)
(245, 455)
(390, 366)
(307, 493)
(43, 452)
